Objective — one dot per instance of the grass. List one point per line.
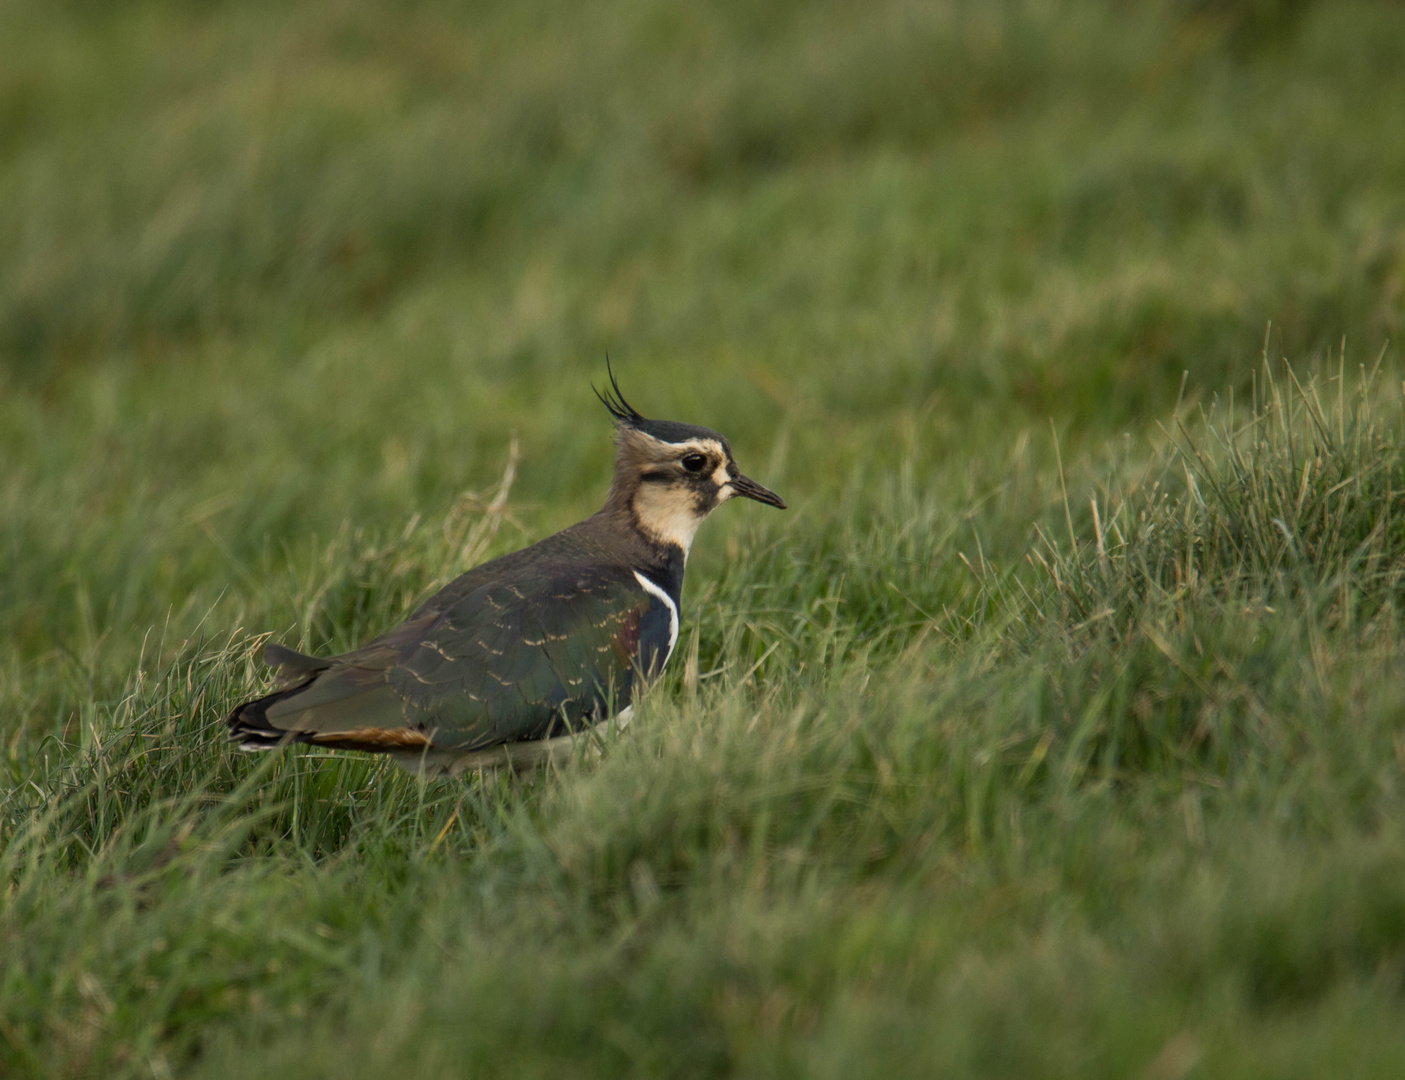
(1057, 730)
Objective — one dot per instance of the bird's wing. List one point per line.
(517, 659)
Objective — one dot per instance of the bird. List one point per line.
(512, 661)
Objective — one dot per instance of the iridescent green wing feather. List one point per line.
(511, 660)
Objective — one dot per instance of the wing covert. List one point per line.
(508, 662)
(516, 659)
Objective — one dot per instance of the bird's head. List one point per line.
(670, 476)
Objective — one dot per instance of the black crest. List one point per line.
(612, 399)
(626, 415)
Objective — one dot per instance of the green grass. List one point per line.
(1058, 729)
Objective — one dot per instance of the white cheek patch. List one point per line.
(669, 513)
(723, 479)
(670, 516)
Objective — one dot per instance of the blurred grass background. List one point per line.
(1032, 783)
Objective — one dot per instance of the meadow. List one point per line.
(1056, 730)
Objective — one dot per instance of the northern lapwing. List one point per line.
(510, 661)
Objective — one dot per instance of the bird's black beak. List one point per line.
(745, 485)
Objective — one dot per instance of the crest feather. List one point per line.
(623, 412)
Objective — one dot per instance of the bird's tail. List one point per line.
(248, 724)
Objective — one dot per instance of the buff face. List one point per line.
(680, 483)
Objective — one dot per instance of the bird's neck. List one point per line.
(656, 532)
(665, 569)
(668, 516)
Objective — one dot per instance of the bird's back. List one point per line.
(522, 647)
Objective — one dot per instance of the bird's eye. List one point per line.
(694, 462)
